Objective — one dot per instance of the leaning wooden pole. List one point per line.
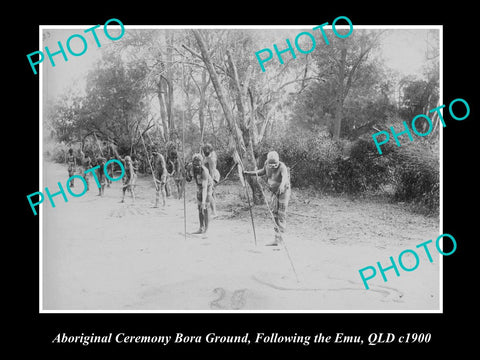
(183, 155)
(276, 227)
(242, 180)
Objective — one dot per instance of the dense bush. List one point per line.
(55, 151)
(363, 170)
(352, 168)
(317, 160)
(417, 176)
(309, 157)
(225, 163)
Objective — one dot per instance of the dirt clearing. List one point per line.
(100, 254)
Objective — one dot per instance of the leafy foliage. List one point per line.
(318, 161)
(154, 83)
(417, 176)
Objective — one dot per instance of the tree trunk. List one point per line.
(169, 103)
(247, 132)
(219, 90)
(168, 79)
(337, 126)
(163, 112)
(346, 79)
(201, 116)
(253, 120)
(242, 137)
(202, 89)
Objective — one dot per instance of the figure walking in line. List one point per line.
(171, 147)
(278, 182)
(160, 175)
(210, 163)
(204, 190)
(86, 164)
(178, 173)
(102, 179)
(72, 164)
(129, 179)
(111, 153)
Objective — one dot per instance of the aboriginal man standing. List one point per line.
(160, 174)
(72, 163)
(129, 179)
(100, 174)
(210, 162)
(204, 190)
(278, 181)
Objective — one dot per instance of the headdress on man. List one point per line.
(197, 158)
(273, 158)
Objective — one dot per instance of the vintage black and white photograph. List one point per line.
(236, 168)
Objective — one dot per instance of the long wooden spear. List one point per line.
(242, 180)
(276, 226)
(271, 215)
(183, 155)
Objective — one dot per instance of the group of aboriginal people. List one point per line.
(202, 169)
(85, 162)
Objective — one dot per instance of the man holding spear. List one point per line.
(101, 175)
(72, 163)
(278, 181)
(204, 190)
(160, 176)
(178, 173)
(159, 173)
(129, 179)
(210, 162)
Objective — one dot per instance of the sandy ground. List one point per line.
(100, 254)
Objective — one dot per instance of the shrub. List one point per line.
(417, 176)
(224, 163)
(55, 151)
(308, 155)
(364, 170)
(315, 159)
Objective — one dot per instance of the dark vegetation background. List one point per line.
(318, 111)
